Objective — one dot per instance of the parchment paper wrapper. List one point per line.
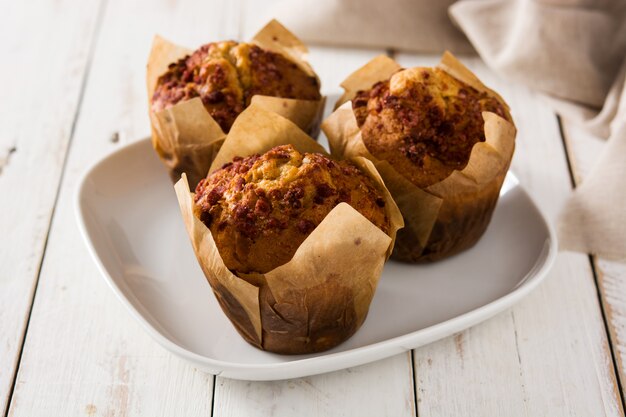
(451, 215)
(185, 135)
(321, 296)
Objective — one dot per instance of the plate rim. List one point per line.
(325, 362)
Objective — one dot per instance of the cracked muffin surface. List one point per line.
(424, 122)
(260, 208)
(226, 75)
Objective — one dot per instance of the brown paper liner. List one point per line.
(378, 69)
(321, 296)
(451, 215)
(185, 135)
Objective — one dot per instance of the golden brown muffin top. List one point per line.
(262, 207)
(225, 75)
(424, 123)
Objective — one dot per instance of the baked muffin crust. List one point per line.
(226, 75)
(259, 209)
(425, 124)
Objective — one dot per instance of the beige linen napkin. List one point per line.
(575, 51)
(414, 25)
(594, 219)
(572, 50)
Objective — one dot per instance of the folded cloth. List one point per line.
(575, 51)
(572, 50)
(413, 25)
(594, 219)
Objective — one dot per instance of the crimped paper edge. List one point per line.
(345, 139)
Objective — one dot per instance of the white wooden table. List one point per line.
(73, 90)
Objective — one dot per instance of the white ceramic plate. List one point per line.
(131, 222)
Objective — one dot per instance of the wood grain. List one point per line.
(84, 354)
(45, 49)
(383, 388)
(584, 150)
(548, 355)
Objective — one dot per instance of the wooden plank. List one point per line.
(381, 388)
(83, 353)
(583, 150)
(45, 48)
(549, 354)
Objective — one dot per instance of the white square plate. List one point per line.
(130, 219)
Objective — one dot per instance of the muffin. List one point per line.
(261, 208)
(226, 75)
(291, 241)
(195, 96)
(425, 126)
